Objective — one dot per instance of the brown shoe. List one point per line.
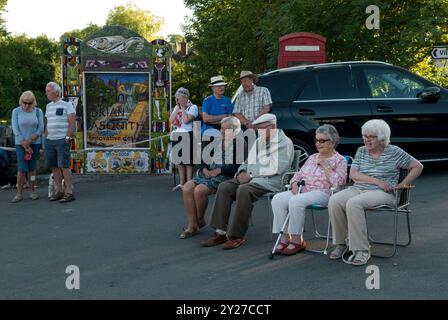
(233, 242)
(56, 196)
(214, 240)
(67, 198)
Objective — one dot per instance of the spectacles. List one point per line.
(369, 137)
(28, 103)
(321, 140)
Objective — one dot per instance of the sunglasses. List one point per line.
(27, 103)
(321, 140)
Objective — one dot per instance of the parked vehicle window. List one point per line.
(385, 83)
(335, 83)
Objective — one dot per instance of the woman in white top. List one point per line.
(182, 135)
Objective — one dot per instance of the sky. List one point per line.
(54, 17)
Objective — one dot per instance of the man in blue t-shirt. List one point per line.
(215, 107)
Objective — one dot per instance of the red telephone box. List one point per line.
(301, 48)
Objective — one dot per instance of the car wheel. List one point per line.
(305, 148)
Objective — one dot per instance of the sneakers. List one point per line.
(33, 196)
(338, 252)
(17, 198)
(214, 240)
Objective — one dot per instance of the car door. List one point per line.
(331, 97)
(418, 126)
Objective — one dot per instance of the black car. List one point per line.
(347, 94)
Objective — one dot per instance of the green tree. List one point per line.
(141, 21)
(82, 34)
(25, 64)
(231, 35)
(227, 37)
(2, 21)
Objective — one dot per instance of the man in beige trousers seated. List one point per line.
(260, 174)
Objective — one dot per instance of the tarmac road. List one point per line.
(122, 233)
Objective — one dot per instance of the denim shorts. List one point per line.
(27, 165)
(57, 154)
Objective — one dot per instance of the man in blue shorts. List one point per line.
(60, 124)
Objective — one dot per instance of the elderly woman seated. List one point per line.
(322, 171)
(375, 172)
(226, 160)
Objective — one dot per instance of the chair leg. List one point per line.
(318, 235)
(270, 218)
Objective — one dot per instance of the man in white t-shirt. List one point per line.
(60, 124)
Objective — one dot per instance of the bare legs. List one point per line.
(58, 174)
(195, 202)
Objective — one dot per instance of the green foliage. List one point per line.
(2, 21)
(234, 35)
(82, 34)
(141, 21)
(25, 64)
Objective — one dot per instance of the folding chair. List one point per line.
(298, 158)
(316, 207)
(402, 204)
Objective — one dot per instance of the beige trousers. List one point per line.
(346, 209)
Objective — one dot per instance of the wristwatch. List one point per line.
(67, 138)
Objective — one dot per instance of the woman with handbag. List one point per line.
(28, 126)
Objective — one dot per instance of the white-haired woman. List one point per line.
(321, 171)
(182, 121)
(225, 163)
(375, 172)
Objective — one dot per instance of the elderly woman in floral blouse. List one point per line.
(322, 171)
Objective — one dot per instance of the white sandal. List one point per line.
(359, 258)
(178, 187)
(338, 252)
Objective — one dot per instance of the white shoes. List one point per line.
(17, 198)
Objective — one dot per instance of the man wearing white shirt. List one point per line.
(60, 124)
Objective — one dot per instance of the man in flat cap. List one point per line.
(269, 158)
(253, 101)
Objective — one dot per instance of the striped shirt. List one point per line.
(57, 119)
(386, 167)
(250, 104)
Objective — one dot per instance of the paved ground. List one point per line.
(122, 233)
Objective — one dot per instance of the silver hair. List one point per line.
(56, 87)
(182, 92)
(234, 123)
(378, 127)
(330, 132)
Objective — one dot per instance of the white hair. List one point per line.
(56, 87)
(330, 132)
(378, 127)
(182, 92)
(234, 122)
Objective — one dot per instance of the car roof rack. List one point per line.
(310, 66)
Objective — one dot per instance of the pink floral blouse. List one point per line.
(315, 179)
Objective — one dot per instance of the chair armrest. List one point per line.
(404, 187)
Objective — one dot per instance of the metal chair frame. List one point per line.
(402, 205)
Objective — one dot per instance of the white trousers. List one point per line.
(347, 215)
(286, 202)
